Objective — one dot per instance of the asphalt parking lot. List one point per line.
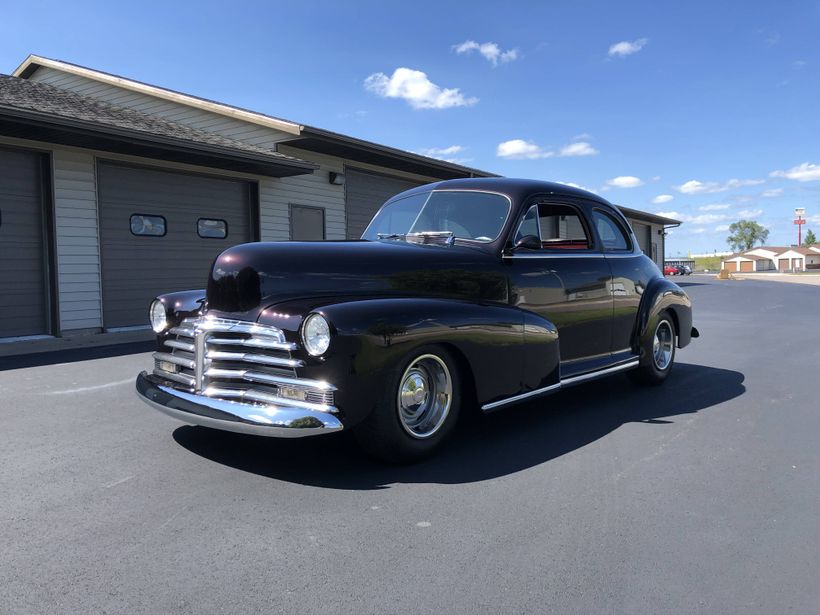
(699, 496)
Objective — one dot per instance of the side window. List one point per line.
(307, 223)
(529, 225)
(610, 231)
(147, 226)
(560, 227)
(210, 228)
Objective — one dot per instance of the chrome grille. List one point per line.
(239, 361)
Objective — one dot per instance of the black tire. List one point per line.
(386, 435)
(656, 366)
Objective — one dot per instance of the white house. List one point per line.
(766, 258)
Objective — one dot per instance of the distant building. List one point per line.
(769, 258)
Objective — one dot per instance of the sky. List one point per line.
(703, 111)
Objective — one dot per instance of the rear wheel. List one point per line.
(418, 410)
(657, 352)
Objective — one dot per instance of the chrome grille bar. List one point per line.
(253, 342)
(186, 346)
(265, 398)
(252, 376)
(247, 357)
(175, 359)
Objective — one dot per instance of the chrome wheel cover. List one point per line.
(663, 345)
(425, 396)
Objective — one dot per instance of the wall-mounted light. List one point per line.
(337, 179)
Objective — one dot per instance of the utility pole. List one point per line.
(799, 212)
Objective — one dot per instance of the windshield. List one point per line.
(478, 216)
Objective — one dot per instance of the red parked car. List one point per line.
(669, 270)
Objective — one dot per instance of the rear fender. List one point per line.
(660, 295)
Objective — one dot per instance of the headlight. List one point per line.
(316, 334)
(158, 318)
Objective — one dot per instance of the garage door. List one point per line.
(746, 266)
(365, 193)
(160, 231)
(731, 266)
(644, 234)
(783, 264)
(23, 310)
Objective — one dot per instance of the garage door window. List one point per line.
(146, 225)
(307, 223)
(209, 228)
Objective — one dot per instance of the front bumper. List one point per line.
(279, 421)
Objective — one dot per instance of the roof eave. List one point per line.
(375, 149)
(33, 62)
(80, 133)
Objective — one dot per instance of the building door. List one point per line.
(23, 245)
(783, 264)
(746, 266)
(365, 192)
(160, 231)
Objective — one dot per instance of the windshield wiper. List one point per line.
(391, 235)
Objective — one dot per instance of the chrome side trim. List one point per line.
(521, 397)
(601, 372)
(247, 357)
(570, 255)
(563, 383)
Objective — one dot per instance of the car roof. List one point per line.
(516, 189)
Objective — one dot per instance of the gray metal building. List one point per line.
(112, 191)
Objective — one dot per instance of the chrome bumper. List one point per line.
(280, 421)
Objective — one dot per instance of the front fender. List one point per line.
(662, 294)
(497, 346)
(179, 306)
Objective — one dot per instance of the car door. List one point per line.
(565, 278)
(631, 272)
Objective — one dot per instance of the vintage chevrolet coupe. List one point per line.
(463, 294)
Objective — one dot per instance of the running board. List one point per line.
(566, 382)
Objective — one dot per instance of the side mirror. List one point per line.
(528, 242)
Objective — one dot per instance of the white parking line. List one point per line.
(96, 387)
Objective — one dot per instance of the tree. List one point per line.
(745, 234)
(810, 239)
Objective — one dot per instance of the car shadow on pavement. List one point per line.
(72, 355)
(484, 447)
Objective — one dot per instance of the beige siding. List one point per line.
(190, 116)
(275, 195)
(77, 241)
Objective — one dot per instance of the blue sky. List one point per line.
(712, 104)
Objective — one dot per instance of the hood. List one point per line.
(253, 276)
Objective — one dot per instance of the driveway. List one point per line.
(698, 496)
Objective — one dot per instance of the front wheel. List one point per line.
(418, 410)
(657, 353)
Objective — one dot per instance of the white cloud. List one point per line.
(584, 136)
(749, 213)
(722, 228)
(698, 231)
(714, 207)
(805, 172)
(491, 51)
(627, 48)
(518, 149)
(694, 186)
(521, 149)
(414, 87)
(448, 154)
(814, 219)
(574, 185)
(580, 148)
(771, 193)
(662, 198)
(624, 181)
(700, 219)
